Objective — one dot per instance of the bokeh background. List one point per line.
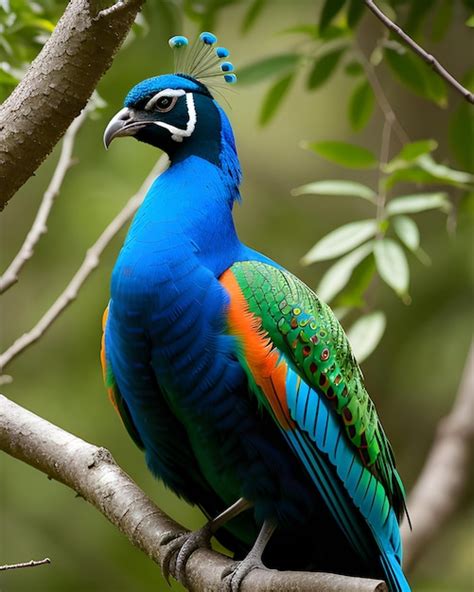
(413, 375)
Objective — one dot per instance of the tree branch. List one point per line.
(94, 475)
(91, 261)
(57, 85)
(439, 487)
(10, 277)
(424, 55)
(31, 563)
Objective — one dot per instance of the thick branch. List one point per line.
(10, 277)
(91, 261)
(424, 55)
(438, 489)
(57, 86)
(93, 474)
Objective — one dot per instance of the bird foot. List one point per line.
(234, 575)
(179, 548)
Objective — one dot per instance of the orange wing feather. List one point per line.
(268, 369)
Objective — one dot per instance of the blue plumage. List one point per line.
(178, 378)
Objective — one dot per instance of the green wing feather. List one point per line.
(306, 331)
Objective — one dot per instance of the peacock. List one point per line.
(233, 377)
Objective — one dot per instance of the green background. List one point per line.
(413, 375)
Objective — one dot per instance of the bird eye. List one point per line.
(165, 103)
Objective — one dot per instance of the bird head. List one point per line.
(177, 112)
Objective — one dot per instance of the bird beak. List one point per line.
(122, 124)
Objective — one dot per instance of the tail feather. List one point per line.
(395, 577)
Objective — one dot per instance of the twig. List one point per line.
(424, 55)
(39, 227)
(444, 476)
(31, 563)
(89, 263)
(92, 472)
(381, 98)
(114, 8)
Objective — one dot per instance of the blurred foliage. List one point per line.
(313, 56)
(333, 42)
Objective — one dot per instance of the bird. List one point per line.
(235, 379)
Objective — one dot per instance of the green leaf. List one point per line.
(341, 240)
(420, 202)
(337, 276)
(470, 21)
(409, 153)
(252, 15)
(442, 172)
(461, 134)
(392, 265)
(347, 188)
(324, 67)
(355, 12)
(407, 231)
(442, 20)
(406, 69)
(361, 105)
(274, 97)
(416, 75)
(267, 68)
(353, 295)
(366, 333)
(426, 171)
(354, 68)
(328, 12)
(348, 155)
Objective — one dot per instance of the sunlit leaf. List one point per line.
(329, 11)
(252, 15)
(424, 170)
(345, 154)
(410, 204)
(443, 172)
(361, 105)
(340, 241)
(365, 334)
(324, 67)
(470, 21)
(337, 276)
(274, 97)
(392, 265)
(409, 153)
(268, 67)
(407, 231)
(339, 187)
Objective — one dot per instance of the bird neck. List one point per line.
(189, 205)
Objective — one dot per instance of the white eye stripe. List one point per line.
(177, 134)
(169, 92)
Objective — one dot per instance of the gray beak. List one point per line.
(122, 124)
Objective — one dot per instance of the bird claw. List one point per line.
(170, 543)
(234, 575)
(179, 548)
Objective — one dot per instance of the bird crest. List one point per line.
(203, 60)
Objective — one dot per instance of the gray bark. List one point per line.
(94, 475)
(58, 85)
